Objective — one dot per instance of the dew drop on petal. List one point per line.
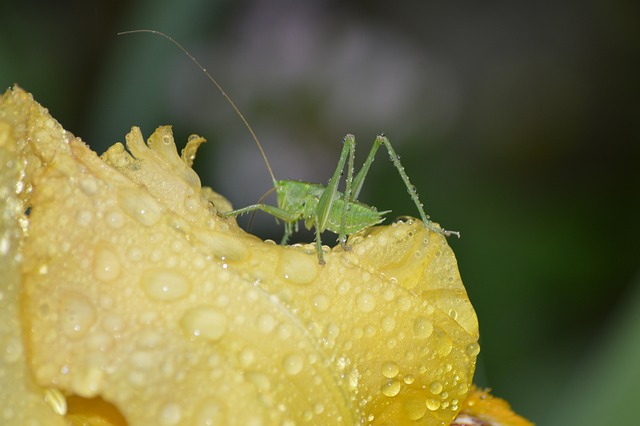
(165, 284)
(473, 349)
(77, 314)
(321, 302)
(246, 357)
(13, 349)
(366, 302)
(297, 267)
(390, 369)
(140, 206)
(432, 404)
(422, 328)
(205, 322)
(293, 364)
(444, 345)
(414, 407)
(83, 218)
(404, 303)
(388, 324)
(266, 323)
(115, 219)
(88, 382)
(390, 387)
(170, 414)
(209, 412)
(106, 265)
(259, 380)
(435, 388)
(344, 287)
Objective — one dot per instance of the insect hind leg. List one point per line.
(413, 193)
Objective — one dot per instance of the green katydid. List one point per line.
(321, 207)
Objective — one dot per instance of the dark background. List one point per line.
(518, 122)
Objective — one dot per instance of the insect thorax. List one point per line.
(303, 197)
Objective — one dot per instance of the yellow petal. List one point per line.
(22, 401)
(139, 296)
(482, 408)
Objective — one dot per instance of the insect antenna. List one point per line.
(213, 80)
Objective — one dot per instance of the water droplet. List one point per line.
(115, 219)
(473, 349)
(170, 414)
(388, 324)
(444, 345)
(266, 323)
(293, 364)
(205, 322)
(83, 218)
(284, 331)
(332, 330)
(13, 349)
(422, 328)
(100, 341)
(260, 380)
(353, 378)
(297, 267)
(366, 302)
(140, 206)
(433, 404)
(404, 303)
(246, 357)
(224, 246)
(435, 388)
(390, 369)
(390, 387)
(106, 265)
(320, 302)
(209, 412)
(5, 245)
(414, 407)
(164, 284)
(77, 314)
(88, 185)
(191, 204)
(344, 287)
(408, 379)
(87, 382)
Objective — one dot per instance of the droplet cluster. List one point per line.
(168, 306)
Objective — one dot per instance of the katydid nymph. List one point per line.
(321, 207)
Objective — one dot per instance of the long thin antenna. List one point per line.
(213, 80)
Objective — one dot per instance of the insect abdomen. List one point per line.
(359, 216)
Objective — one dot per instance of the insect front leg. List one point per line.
(319, 244)
(287, 217)
(325, 204)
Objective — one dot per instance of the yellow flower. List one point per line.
(126, 299)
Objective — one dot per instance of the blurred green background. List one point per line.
(519, 124)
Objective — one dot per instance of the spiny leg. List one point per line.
(359, 180)
(325, 204)
(351, 146)
(319, 244)
(288, 218)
